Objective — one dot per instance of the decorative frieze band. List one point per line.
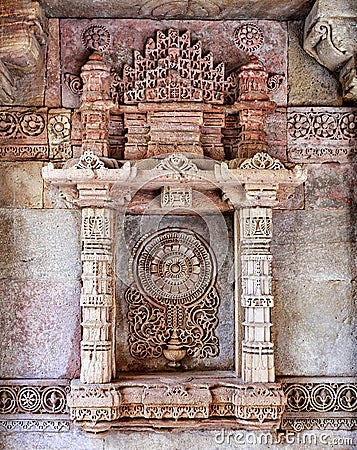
(35, 133)
(329, 403)
(34, 405)
(322, 134)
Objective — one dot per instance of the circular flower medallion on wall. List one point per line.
(96, 37)
(248, 37)
(174, 266)
(59, 126)
(32, 124)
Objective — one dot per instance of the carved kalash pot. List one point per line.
(174, 351)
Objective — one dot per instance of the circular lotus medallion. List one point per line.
(174, 266)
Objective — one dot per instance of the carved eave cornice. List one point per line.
(330, 37)
(254, 183)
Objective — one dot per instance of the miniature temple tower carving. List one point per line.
(178, 312)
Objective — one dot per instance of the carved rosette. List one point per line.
(173, 304)
(97, 296)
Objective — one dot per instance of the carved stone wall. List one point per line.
(254, 345)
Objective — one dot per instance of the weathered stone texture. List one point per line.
(39, 294)
(156, 9)
(21, 185)
(309, 82)
(39, 329)
(314, 268)
(330, 186)
(193, 440)
(53, 71)
(23, 29)
(314, 328)
(314, 245)
(40, 245)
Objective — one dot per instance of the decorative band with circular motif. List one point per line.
(174, 266)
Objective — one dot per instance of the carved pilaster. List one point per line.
(256, 294)
(97, 297)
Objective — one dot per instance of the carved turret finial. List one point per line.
(253, 78)
(253, 105)
(95, 105)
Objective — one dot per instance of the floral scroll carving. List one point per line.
(173, 301)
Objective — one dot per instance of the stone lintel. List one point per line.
(256, 181)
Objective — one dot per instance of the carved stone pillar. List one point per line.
(97, 296)
(256, 294)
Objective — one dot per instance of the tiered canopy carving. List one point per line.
(172, 69)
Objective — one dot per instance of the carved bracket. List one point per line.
(330, 37)
(23, 31)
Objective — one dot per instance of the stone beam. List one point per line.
(330, 37)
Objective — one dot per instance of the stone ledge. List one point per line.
(178, 400)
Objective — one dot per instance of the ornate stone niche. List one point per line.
(175, 243)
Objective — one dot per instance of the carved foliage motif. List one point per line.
(173, 295)
(24, 124)
(323, 134)
(59, 128)
(34, 425)
(262, 160)
(96, 37)
(323, 405)
(321, 397)
(74, 83)
(89, 160)
(274, 82)
(172, 69)
(323, 125)
(177, 166)
(35, 133)
(16, 399)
